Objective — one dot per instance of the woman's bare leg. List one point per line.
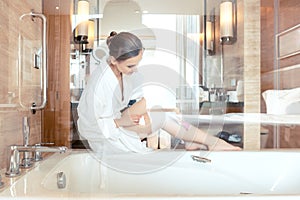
(194, 137)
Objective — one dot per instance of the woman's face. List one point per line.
(128, 66)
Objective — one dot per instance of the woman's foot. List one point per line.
(191, 146)
(221, 145)
(217, 145)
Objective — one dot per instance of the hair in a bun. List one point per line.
(124, 45)
(111, 35)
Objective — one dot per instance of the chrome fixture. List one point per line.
(61, 180)
(26, 161)
(210, 31)
(13, 168)
(38, 60)
(200, 159)
(210, 36)
(37, 154)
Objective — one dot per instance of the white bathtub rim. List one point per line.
(58, 193)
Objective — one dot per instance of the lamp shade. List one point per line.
(226, 19)
(91, 34)
(209, 35)
(83, 14)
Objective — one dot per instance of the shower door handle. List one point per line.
(44, 60)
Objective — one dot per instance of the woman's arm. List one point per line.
(134, 116)
(176, 128)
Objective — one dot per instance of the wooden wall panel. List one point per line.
(56, 117)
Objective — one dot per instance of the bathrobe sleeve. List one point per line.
(104, 115)
(97, 107)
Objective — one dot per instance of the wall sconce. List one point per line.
(91, 35)
(228, 22)
(210, 36)
(81, 31)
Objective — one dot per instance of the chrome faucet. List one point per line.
(26, 161)
(37, 154)
(13, 168)
(26, 130)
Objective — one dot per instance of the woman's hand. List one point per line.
(144, 128)
(132, 115)
(128, 119)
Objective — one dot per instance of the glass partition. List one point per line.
(171, 37)
(182, 41)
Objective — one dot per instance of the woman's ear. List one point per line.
(113, 60)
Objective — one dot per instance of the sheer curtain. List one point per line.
(188, 51)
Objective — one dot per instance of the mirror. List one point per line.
(170, 32)
(173, 35)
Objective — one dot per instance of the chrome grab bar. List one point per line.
(44, 60)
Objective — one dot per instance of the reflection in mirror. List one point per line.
(181, 39)
(170, 35)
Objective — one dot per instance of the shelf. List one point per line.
(8, 105)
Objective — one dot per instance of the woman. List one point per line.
(106, 119)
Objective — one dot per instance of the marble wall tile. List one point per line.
(11, 117)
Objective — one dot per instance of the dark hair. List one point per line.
(111, 35)
(123, 45)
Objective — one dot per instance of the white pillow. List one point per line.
(282, 101)
(293, 108)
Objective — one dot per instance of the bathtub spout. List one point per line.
(13, 168)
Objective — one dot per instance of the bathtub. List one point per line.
(166, 174)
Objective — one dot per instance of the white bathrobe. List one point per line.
(100, 104)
